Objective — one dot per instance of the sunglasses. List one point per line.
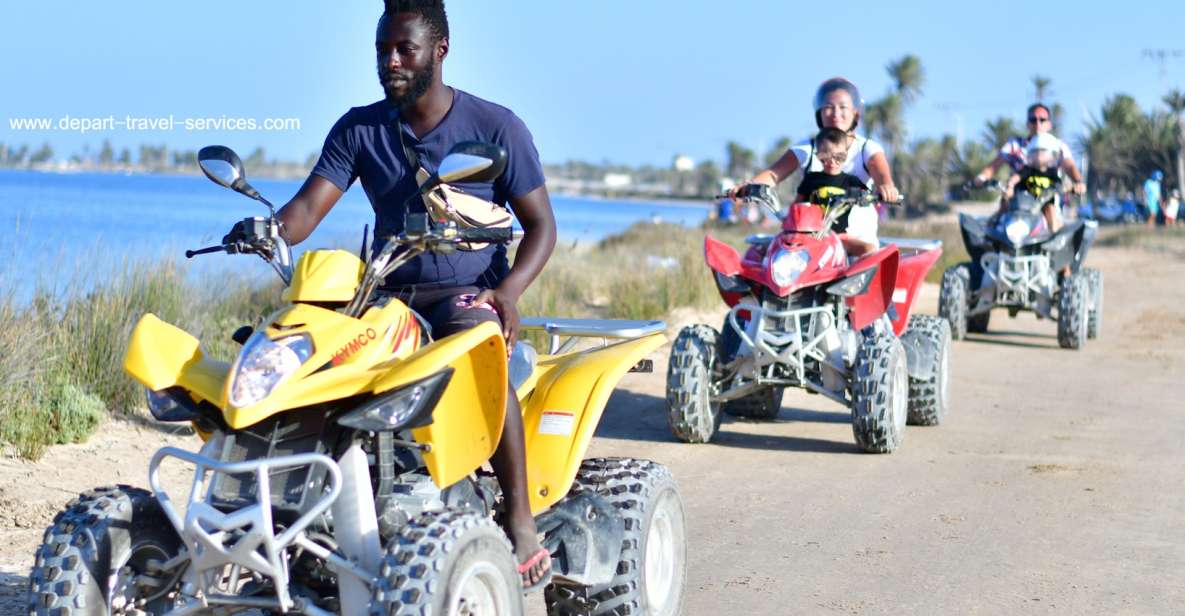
(838, 159)
(1038, 120)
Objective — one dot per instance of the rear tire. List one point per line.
(449, 563)
(95, 548)
(1072, 312)
(929, 398)
(652, 573)
(1094, 324)
(692, 415)
(952, 299)
(880, 394)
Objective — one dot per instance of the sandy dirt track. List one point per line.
(1056, 486)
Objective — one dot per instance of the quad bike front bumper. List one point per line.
(781, 348)
(1014, 281)
(229, 550)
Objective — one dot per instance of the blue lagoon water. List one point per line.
(62, 225)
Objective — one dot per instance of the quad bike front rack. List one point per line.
(1017, 279)
(798, 343)
(225, 549)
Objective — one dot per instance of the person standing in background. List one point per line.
(1152, 196)
(1171, 206)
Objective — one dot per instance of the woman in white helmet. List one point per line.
(838, 107)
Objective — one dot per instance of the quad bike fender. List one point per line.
(725, 262)
(974, 232)
(721, 257)
(467, 421)
(562, 413)
(161, 356)
(877, 297)
(911, 273)
(1069, 245)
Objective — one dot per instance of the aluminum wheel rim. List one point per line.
(121, 590)
(661, 562)
(481, 591)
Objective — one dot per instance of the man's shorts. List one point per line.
(447, 310)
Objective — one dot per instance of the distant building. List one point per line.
(617, 181)
(683, 163)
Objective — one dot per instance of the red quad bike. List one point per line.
(800, 315)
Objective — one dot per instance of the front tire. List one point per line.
(448, 563)
(880, 394)
(652, 573)
(1072, 312)
(1094, 323)
(94, 550)
(929, 398)
(952, 299)
(691, 413)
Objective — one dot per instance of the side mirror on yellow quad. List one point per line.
(224, 168)
(470, 161)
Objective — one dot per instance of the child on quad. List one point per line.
(1041, 173)
(857, 227)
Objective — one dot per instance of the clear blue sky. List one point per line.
(629, 81)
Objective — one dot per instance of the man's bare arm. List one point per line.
(304, 212)
(533, 211)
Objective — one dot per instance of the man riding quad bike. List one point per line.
(342, 470)
(801, 315)
(1018, 263)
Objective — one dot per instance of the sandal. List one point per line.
(529, 564)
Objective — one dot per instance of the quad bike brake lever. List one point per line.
(189, 254)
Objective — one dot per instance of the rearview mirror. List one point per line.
(224, 168)
(472, 161)
(222, 165)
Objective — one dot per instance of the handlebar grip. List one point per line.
(189, 254)
(497, 235)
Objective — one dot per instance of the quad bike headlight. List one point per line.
(265, 363)
(853, 285)
(788, 265)
(1017, 231)
(409, 406)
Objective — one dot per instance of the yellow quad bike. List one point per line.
(342, 470)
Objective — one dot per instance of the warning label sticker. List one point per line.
(557, 422)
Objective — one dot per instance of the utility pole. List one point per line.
(1161, 57)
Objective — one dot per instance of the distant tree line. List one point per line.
(149, 159)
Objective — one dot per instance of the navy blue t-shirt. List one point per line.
(363, 145)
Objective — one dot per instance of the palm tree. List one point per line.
(908, 77)
(1041, 87)
(997, 132)
(740, 160)
(1175, 101)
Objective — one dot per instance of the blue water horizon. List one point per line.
(69, 224)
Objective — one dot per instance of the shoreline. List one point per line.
(699, 202)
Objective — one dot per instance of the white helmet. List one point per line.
(1044, 141)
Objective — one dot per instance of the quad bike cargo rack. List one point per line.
(575, 329)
